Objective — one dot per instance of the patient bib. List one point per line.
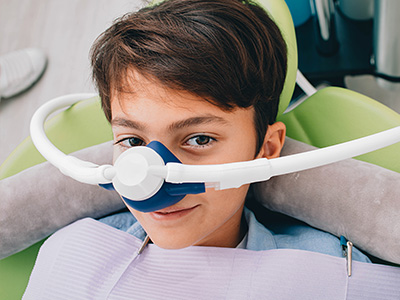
(90, 260)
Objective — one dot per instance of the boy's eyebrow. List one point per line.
(174, 126)
(196, 121)
(127, 123)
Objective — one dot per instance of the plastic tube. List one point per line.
(331, 154)
(82, 171)
(232, 175)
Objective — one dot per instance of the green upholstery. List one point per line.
(334, 115)
(80, 126)
(279, 12)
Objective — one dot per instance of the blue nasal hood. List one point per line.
(169, 193)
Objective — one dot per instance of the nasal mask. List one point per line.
(150, 178)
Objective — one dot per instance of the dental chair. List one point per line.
(330, 116)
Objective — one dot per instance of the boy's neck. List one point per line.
(230, 234)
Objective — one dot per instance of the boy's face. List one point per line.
(197, 132)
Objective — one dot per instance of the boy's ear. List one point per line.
(273, 141)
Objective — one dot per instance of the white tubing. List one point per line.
(236, 174)
(335, 153)
(221, 176)
(82, 171)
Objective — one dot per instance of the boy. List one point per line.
(204, 78)
(176, 73)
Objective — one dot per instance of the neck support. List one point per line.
(151, 178)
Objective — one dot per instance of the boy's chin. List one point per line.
(172, 243)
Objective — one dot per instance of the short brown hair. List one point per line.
(229, 52)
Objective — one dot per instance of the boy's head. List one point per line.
(228, 52)
(203, 77)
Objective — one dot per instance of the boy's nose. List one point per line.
(140, 173)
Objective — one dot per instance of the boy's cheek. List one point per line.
(116, 152)
(216, 208)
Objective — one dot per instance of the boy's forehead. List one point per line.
(151, 105)
(154, 99)
(146, 99)
(149, 114)
(138, 89)
(136, 86)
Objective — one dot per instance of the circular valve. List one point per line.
(132, 179)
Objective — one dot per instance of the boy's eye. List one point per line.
(131, 142)
(200, 141)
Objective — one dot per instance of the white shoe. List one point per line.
(19, 70)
